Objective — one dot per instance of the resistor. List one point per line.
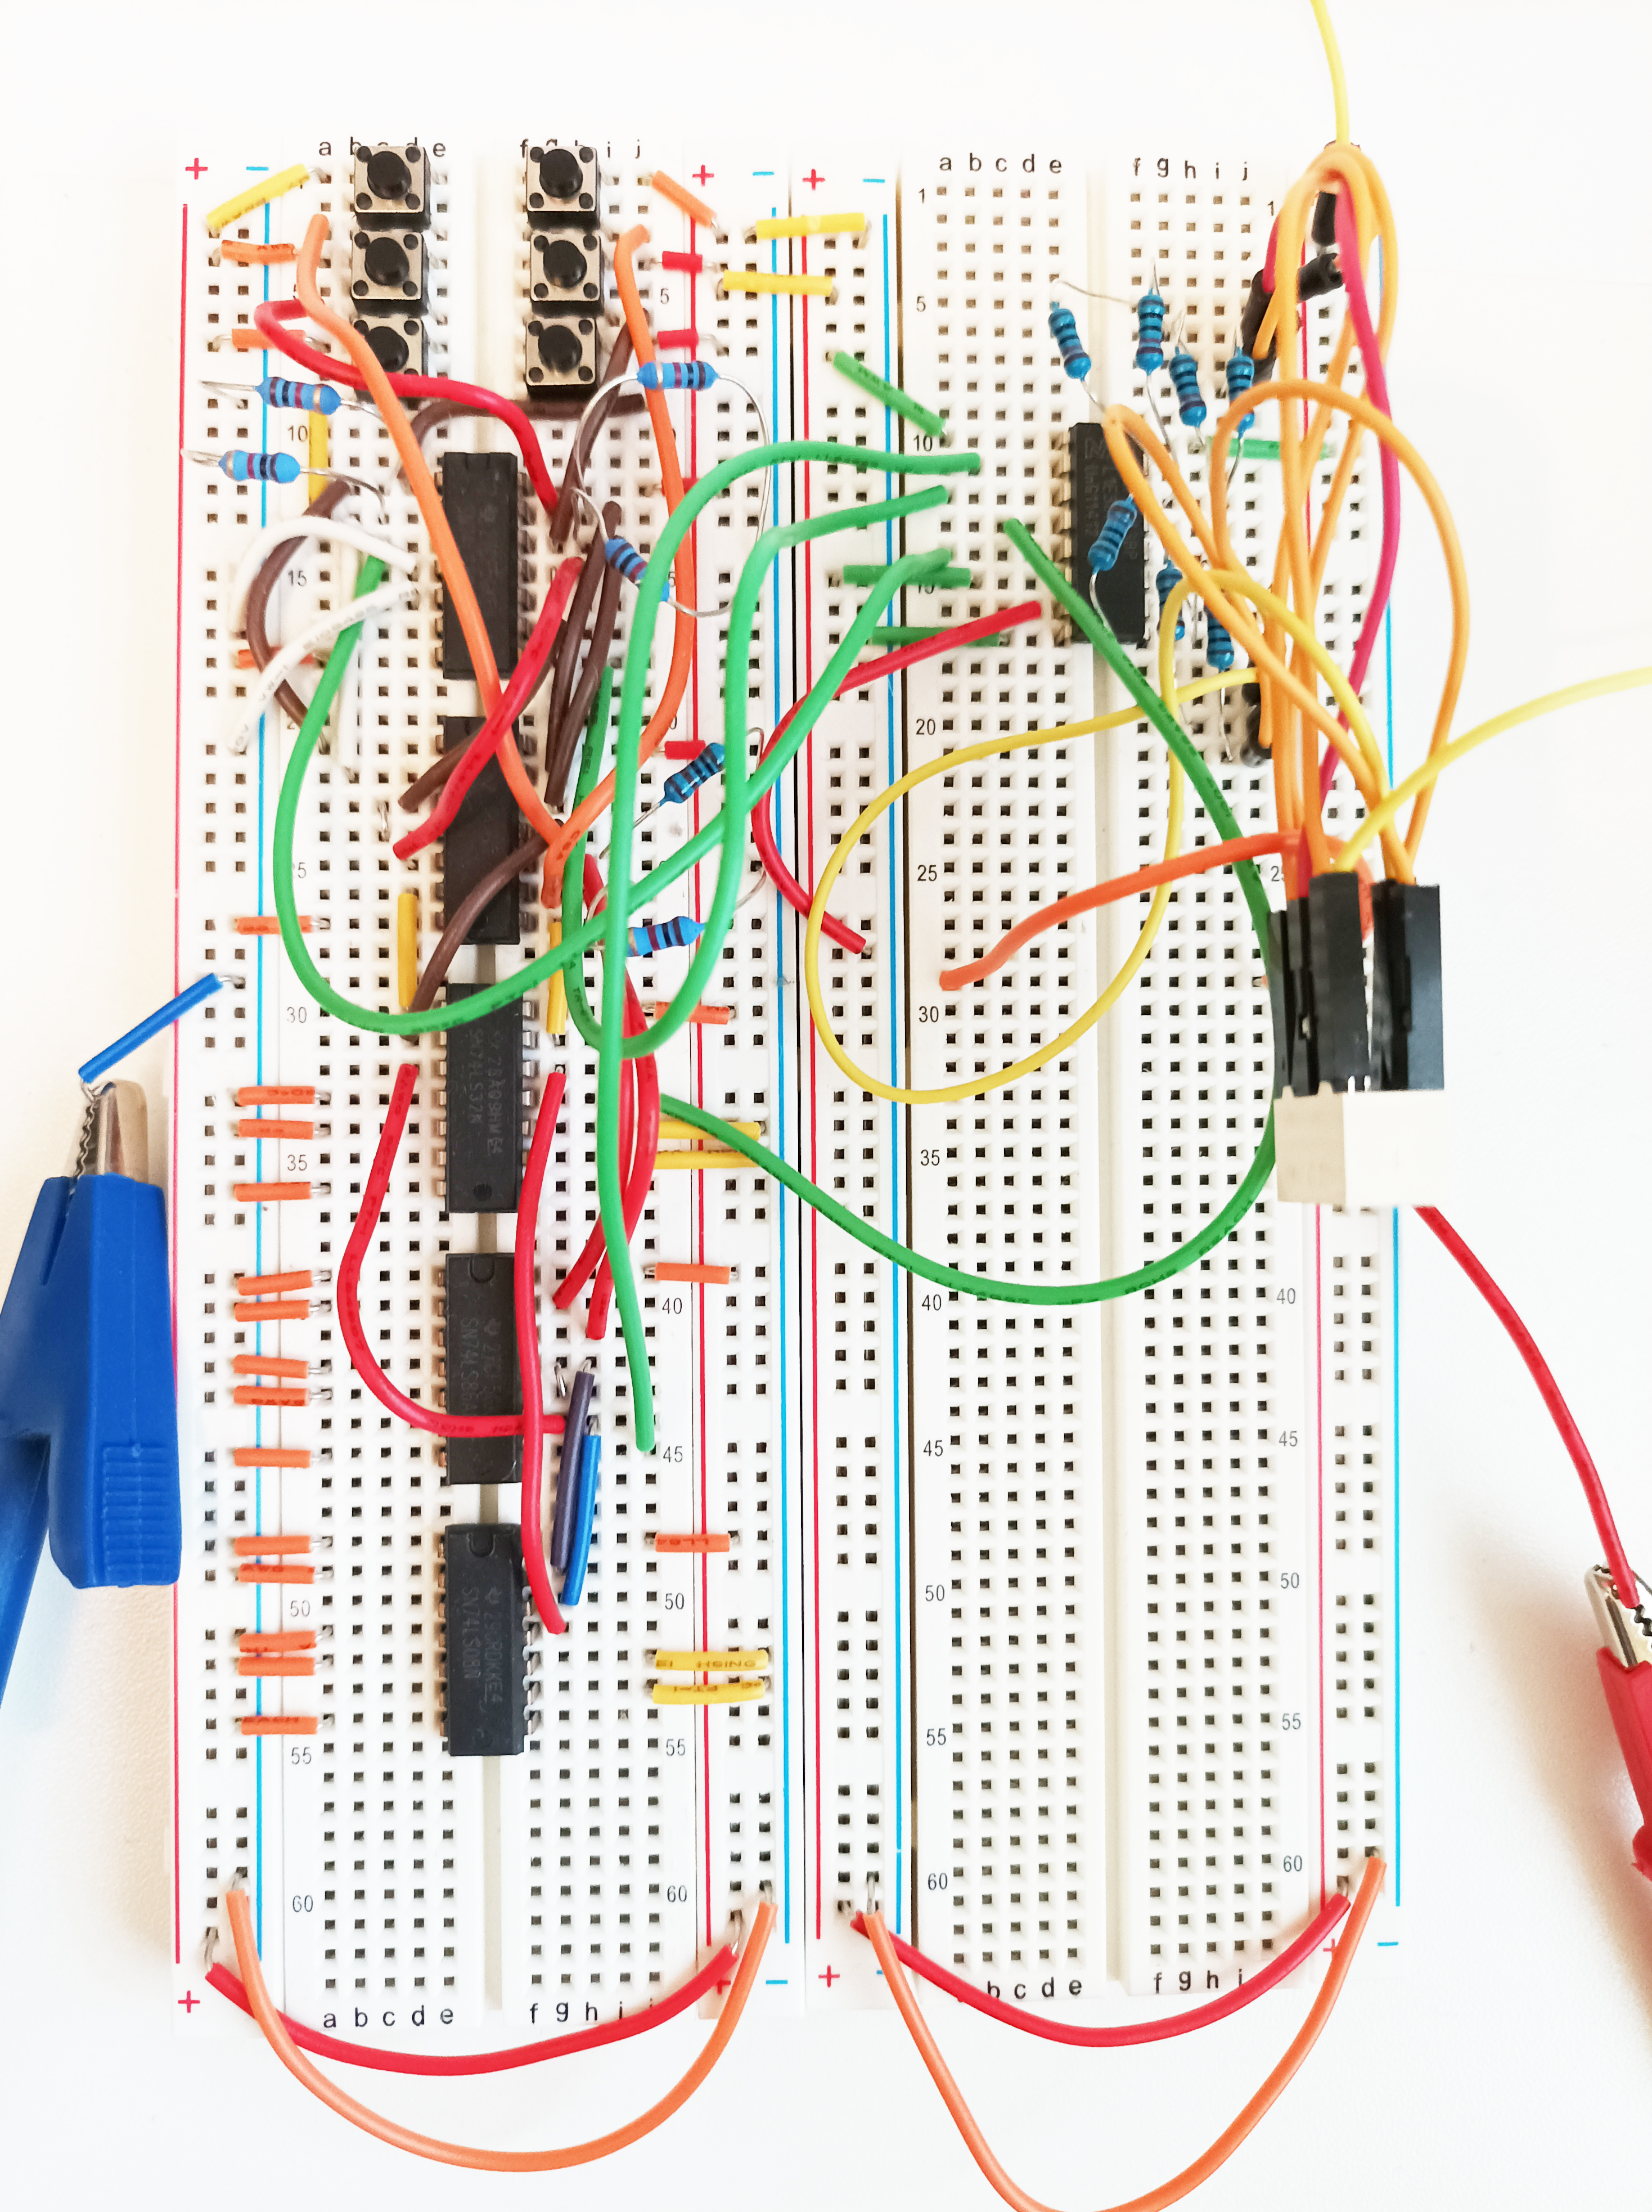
(1165, 582)
(242, 467)
(676, 375)
(1150, 330)
(1064, 329)
(621, 553)
(705, 764)
(1184, 375)
(284, 391)
(1241, 375)
(664, 936)
(1219, 646)
(1120, 521)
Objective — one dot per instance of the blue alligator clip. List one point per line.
(89, 1407)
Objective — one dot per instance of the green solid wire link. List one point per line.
(504, 993)
(858, 574)
(889, 395)
(596, 740)
(738, 799)
(987, 1286)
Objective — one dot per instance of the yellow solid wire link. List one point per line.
(557, 989)
(271, 188)
(764, 280)
(707, 1693)
(407, 948)
(318, 453)
(985, 750)
(714, 1663)
(1574, 694)
(706, 1163)
(807, 226)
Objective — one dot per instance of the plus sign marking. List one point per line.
(830, 1976)
(702, 175)
(813, 181)
(188, 2000)
(195, 169)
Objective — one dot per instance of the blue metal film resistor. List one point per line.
(621, 553)
(1064, 329)
(1166, 581)
(1219, 646)
(664, 936)
(1150, 330)
(706, 764)
(1120, 521)
(676, 375)
(1241, 375)
(1184, 375)
(310, 399)
(242, 467)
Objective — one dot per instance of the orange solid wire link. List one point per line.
(254, 255)
(251, 1548)
(301, 1570)
(275, 1094)
(274, 1310)
(269, 1362)
(718, 1017)
(261, 1664)
(689, 1271)
(276, 1639)
(269, 1455)
(1196, 863)
(680, 196)
(280, 1724)
(683, 575)
(296, 1278)
(490, 2162)
(267, 925)
(706, 1543)
(259, 1127)
(271, 1193)
(461, 596)
(255, 1393)
(1181, 2185)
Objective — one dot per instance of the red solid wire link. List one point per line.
(1132, 2031)
(348, 1302)
(1611, 1543)
(868, 672)
(270, 314)
(527, 1354)
(715, 1970)
(524, 681)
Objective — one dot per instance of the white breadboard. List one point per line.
(1082, 1621)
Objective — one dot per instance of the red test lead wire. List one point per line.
(1611, 1543)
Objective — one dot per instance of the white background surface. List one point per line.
(1505, 2052)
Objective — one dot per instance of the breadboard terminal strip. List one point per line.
(783, 1381)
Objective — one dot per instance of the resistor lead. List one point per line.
(1150, 330)
(1184, 375)
(242, 467)
(285, 391)
(1241, 375)
(1120, 521)
(705, 764)
(1064, 329)
(1219, 646)
(676, 375)
(1165, 582)
(664, 936)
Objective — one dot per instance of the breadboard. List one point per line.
(954, 1525)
